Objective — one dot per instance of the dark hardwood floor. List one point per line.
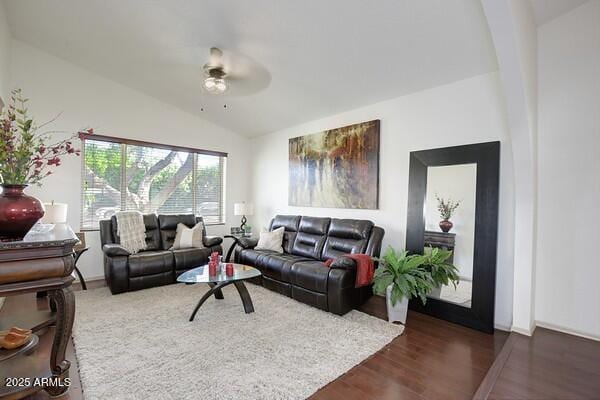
(435, 359)
(549, 365)
(432, 359)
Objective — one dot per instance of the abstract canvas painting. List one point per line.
(336, 168)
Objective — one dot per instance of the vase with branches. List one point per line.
(27, 156)
(446, 208)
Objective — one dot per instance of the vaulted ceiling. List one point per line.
(546, 10)
(308, 59)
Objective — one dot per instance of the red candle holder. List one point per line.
(212, 268)
(229, 269)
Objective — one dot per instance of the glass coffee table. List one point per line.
(217, 282)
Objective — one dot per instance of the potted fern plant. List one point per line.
(442, 272)
(400, 277)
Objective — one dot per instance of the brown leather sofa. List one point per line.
(300, 272)
(157, 265)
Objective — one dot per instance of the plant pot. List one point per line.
(397, 312)
(436, 292)
(18, 212)
(446, 225)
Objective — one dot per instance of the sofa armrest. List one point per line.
(113, 250)
(210, 241)
(247, 243)
(343, 263)
(341, 293)
(116, 272)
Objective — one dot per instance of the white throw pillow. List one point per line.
(187, 238)
(271, 240)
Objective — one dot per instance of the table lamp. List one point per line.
(56, 213)
(243, 209)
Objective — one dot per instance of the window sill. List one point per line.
(98, 229)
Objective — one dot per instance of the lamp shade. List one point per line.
(56, 213)
(243, 209)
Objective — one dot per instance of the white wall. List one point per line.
(88, 100)
(568, 270)
(463, 112)
(5, 44)
(513, 30)
(456, 182)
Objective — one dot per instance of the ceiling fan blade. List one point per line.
(190, 64)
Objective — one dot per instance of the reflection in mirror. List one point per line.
(450, 224)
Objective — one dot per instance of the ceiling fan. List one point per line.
(215, 81)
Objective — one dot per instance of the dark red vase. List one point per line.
(446, 225)
(18, 212)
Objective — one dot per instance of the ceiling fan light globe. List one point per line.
(215, 85)
(209, 84)
(221, 85)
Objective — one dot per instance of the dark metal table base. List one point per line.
(216, 290)
(236, 241)
(78, 254)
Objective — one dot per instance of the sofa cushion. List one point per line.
(346, 236)
(314, 225)
(152, 232)
(290, 223)
(278, 266)
(168, 227)
(311, 275)
(251, 256)
(271, 240)
(336, 247)
(311, 237)
(190, 258)
(150, 262)
(350, 228)
(189, 238)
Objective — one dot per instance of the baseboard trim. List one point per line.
(92, 278)
(524, 331)
(568, 331)
(500, 327)
(91, 283)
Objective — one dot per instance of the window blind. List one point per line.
(150, 178)
(101, 182)
(209, 178)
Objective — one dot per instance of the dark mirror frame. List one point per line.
(487, 157)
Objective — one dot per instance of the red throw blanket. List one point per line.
(365, 268)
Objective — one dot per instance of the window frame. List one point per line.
(124, 142)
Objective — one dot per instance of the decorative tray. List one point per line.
(28, 347)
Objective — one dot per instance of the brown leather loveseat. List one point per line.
(157, 265)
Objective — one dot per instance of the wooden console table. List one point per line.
(39, 262)
(441, 240)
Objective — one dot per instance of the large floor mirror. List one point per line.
(453, 205)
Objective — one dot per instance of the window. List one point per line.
(120, 174)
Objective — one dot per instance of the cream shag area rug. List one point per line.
(140, 345)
